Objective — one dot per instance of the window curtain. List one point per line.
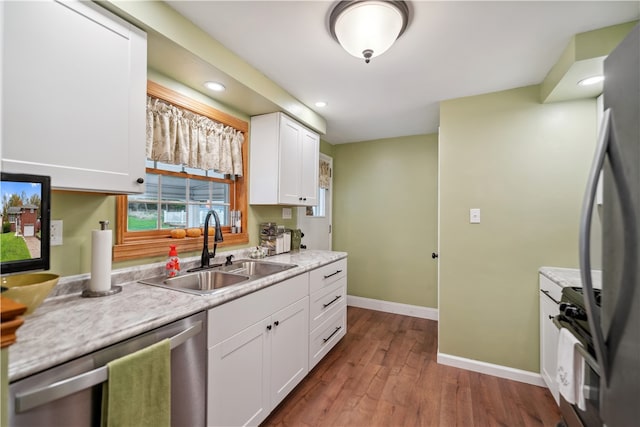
(325, 174)
(180, 137)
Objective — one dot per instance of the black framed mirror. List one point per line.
(25, 208)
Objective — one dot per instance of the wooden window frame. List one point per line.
(143, 244)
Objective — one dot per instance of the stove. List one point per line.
(573, 316)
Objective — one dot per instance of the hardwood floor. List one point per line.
(384, 373)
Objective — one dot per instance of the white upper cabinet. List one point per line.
(284, 158)
(74, 96)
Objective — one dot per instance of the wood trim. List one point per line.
(142, 244)
(160, 246)
(176, 98)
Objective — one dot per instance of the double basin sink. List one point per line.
(207, 281)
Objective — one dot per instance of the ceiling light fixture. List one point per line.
(321, 104)
(590, 80)
(218, 87)
(368, 28)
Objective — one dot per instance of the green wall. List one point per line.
(525, 165)
(81, 213)
(385, 217)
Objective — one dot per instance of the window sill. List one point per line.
(160, 246)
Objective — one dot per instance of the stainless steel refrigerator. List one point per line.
(615, 325)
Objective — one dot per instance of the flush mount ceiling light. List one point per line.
(367, 28)
(590, 80)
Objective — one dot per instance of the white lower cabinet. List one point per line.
(328, 309)
(550, 294)
(263, 344)
(258, 352)
(326, 336)
(288, 349)
(238, 376)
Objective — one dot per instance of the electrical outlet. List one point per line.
(55, 234)
(286, 213)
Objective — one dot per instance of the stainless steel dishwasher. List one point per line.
(70, 394)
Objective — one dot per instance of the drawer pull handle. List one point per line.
(331, 302)
(335, 331)
(549, 295)
(333, 274)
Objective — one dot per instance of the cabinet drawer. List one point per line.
(326, 336)
(325, 302)
(550, 288)
(328, 274)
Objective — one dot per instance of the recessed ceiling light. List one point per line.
(321, 104)
(218, 87)
(590, 80)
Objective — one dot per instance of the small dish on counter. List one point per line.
(29, 289)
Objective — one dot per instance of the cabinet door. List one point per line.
(289, 349)
(548, 344)
(74, 81)
(289, 170)
(238, 391)
(309, 161)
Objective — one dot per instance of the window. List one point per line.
(178, 201)
(177, 196)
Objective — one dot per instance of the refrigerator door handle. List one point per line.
(593, 312)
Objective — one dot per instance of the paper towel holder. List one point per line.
(88, 293)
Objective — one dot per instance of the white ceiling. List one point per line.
(451, 49)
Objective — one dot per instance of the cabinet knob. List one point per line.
(268, 327)
(276, 323)
(140, 180)
(434, 255)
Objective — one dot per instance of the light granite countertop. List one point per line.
(67, 326)
(570, 276)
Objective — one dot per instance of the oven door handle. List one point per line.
(593, 313)
(588, 358)
(63, 388)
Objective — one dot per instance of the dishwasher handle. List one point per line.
(63, 388)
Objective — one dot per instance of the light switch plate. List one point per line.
(55, 236)
(286, 213)
(474, 216)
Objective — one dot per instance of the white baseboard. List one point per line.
(393, 307)
(520, 375)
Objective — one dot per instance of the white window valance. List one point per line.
(324, 174)
(181, 137)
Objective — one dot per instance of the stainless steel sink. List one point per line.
(209, 281)
(255, 268)
(201, 282)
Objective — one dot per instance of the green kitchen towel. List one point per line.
(138, 392)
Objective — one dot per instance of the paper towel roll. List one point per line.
(100, 261)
